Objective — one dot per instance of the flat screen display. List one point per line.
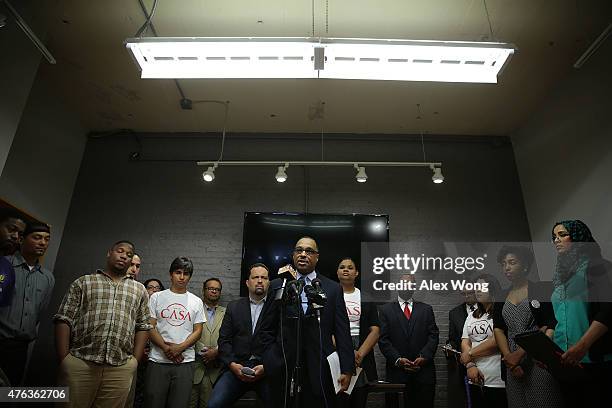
(269, 238)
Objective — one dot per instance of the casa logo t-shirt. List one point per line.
(175, 313)
(478, 330)
(353, 310)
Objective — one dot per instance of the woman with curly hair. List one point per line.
(525, 307)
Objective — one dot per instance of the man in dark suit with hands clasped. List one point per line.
(408, 340)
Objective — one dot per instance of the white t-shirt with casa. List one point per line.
(353, 309)
(176, 313)
(478, 330)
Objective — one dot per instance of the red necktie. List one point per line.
(406, 311)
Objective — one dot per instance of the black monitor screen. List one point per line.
(269, 238)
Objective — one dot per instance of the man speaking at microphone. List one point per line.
(317, 386)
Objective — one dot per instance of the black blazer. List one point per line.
(599, 283)
(456, 321)
(369, 318)
(408, 338)
(334, 322)
(236, 343)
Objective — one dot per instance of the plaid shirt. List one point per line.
(103, 316)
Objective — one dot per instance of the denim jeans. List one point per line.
(228, 389)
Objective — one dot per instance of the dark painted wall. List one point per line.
(167, 210)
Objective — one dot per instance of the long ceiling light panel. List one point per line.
(330, 58)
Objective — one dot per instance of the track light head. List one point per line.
(209, 174)
(361, 175)
(281, 175)
(437, 177)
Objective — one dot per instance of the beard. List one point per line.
(405, 294)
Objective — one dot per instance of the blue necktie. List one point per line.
(304, 298)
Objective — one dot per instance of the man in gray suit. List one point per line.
(207, 364)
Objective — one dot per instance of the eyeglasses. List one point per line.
(155, 288)
(213, 289)
(309, 251)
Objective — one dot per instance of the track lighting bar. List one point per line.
(282, 166)
(318, 163)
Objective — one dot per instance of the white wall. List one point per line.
(19, 62)
(564, 153)
(44, 160)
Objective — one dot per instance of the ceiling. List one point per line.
(97, 76)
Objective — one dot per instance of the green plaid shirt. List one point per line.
(103, 316)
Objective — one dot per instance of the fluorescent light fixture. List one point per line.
(361, 175)
(330, 58)
(281, 175)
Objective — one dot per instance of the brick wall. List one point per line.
(167, 210)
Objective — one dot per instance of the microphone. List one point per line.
(280, 291)
(315, 294)
(316, 283)
(294, 290)
(316, 297)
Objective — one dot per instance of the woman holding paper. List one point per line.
(581, 300)
(526, 308)
(365, 330)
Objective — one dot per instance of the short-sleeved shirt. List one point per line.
(353, 309)
(478, 330)
(29, 296)
(103, 316)
(175, 315)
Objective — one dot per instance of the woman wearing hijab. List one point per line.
(524, 309)
(580, 299)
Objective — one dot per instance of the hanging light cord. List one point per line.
(489, 20)
(148, 25)
(147, 22)
(326, 16)
(313, 18)
(421, 130)
(226, 105)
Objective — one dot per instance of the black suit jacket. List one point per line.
(599, 285)
(369, 318)
(456, 321)
(236, 341)
(456, 370)
(400, 337)
(334, 322)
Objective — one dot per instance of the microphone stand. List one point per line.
(293, 296)
(296, 380)
(316, 301)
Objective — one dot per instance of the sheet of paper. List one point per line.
(334, 368)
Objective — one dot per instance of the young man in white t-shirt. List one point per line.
(177, 317)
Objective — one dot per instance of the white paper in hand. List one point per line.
(334, 368)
